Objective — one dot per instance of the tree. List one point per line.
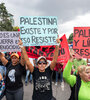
(70, 39)
(5, 23)
(16, 28)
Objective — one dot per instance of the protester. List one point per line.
(59, 70)
(2, 80)
(14, 85)
(80, 83)
(7, 56)
(77, 61)
(27, 75)
(2, 86)
(41, 74)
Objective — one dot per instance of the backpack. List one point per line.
(75, 89)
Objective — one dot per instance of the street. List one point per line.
(57, 91)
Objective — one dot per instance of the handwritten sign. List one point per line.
(38, 30)
(9, 41)
(48, 51)
(81, 41)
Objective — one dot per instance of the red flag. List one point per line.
(48, 51)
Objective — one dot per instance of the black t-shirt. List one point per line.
(14, 76)
(42, 84)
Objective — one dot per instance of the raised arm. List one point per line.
(55, 57)
(0, 76)
(25, 56)
(3, 59)
(70, 79)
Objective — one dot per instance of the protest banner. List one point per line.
(48, 51)
(81, 41)
(9, 41)
(38, 30)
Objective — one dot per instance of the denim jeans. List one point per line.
(15, 95)
(27, 75)
(2, 70)
(61, 76)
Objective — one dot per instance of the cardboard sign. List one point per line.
(48, 51)
(9, 41)
(81, 41)
(38, 30)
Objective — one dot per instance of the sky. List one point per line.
(70, 13)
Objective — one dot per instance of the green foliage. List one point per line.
(15, 28)
(70, 39)
(5, 23)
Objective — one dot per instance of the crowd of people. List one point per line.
(13, 66)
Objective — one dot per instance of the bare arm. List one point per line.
(70, 79)
(55, 57)
(26, 67)
(3, 59)
(25, 56)
(0, 77)
(26, 59)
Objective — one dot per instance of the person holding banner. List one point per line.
(27, 75)
(79, 83)
(41, 74)
(15, 69)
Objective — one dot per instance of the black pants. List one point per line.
(14, 95)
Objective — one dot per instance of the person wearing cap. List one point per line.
(15, 69)
(41, 74)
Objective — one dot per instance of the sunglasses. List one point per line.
(42, 62)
